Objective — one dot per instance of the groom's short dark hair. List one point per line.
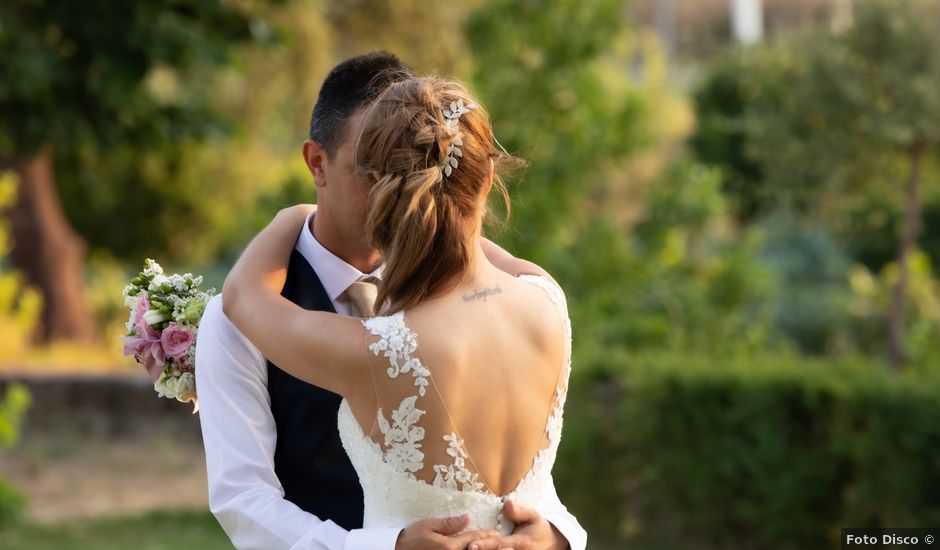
(351, 84)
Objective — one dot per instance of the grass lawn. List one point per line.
(155, 531)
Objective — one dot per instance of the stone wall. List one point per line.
(102, 406)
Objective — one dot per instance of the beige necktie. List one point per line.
(362, 294)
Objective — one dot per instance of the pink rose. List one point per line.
(176, 340)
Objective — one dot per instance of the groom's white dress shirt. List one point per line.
(239, 435)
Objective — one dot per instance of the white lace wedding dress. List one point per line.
(396, 482)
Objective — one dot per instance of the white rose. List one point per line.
(166, 387)
(153, 316)
(186, 387)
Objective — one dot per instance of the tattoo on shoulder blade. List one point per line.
(482, 294)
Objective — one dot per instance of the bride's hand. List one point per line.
(296, 213)
(265, 259)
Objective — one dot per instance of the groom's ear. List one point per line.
(315, 157)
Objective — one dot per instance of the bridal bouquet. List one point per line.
(161, 331)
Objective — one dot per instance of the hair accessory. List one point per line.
(452, 119)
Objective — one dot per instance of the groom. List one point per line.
(278, 475)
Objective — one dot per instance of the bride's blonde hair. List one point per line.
(419, 217)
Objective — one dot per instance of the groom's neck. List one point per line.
(353, 250)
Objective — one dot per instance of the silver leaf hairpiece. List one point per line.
(454, 151)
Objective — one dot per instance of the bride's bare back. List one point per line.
(480, 366)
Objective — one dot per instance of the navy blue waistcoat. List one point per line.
(309, 459)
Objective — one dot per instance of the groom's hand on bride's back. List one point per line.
(441, 534)
(532, 532)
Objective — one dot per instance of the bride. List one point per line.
(455, 381)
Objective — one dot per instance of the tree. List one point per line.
(892, 54)
(554, 78)
(580, 95)
(857, 113)
(427, 39)
(76, 81)
(733, 84)
(870, 95)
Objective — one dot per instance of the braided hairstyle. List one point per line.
(419, 219)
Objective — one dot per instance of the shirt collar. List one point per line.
(335, 274)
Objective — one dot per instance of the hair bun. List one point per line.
(418, 133)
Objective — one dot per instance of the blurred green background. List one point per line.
(746, 225)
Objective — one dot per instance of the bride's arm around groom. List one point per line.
(239, 433)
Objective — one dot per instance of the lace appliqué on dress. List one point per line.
(456, 476)
(403, 438)
(397, 342)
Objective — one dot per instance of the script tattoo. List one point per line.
(482, 294)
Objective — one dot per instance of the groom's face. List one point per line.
(342, 196)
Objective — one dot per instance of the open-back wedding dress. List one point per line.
(409, 474)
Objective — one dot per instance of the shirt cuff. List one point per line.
(372, 539)
(573, 533)
(325, 535)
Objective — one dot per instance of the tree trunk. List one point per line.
(910, 226)
(47, 251)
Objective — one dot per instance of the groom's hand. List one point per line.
(440, 534)
(532, 532)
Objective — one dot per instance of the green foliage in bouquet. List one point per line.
(167, 295)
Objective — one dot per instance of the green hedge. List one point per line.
(776, 452)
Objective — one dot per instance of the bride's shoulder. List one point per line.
(542, 279)
(544, 304)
